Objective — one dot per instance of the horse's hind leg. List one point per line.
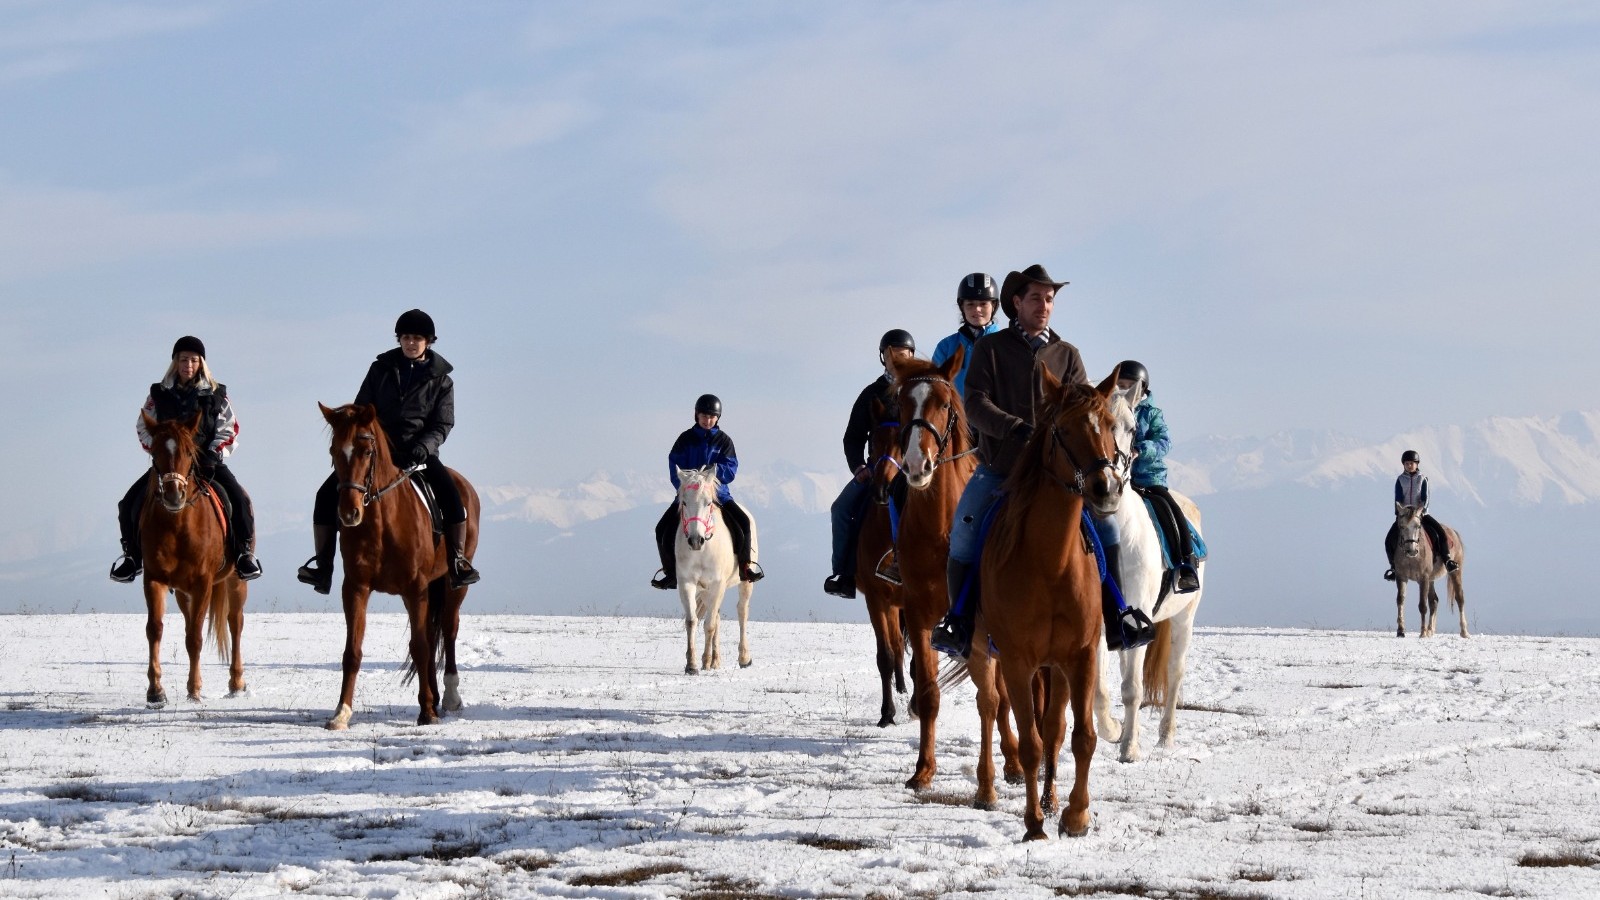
(235, 593)
(422, 657)
(155, 599)
(745, 590)
(451, 622)
(1399, 607)
(1458, 594)
(1110, 728)
(981, 670)
(884, 636)
(1429, 604)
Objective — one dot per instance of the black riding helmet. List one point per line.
(1133, 370)
(415, 321)
(977, 286)
(895, 337)
(709, 404)
(1410, 456)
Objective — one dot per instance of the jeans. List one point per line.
(846, 513)
(979, 495)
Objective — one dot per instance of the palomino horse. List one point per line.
(707, 567)
(877, 538)
(1152, 673)
(184, 544)
(1041, 594)
(1414, 561)
(937, 462)
(387, 543)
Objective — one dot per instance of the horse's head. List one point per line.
(172, 455)
(1408, 522)
(360, 452)
(1122, 404)
(697, 491)
(931, 415)
(1078, 429)
(883, 448)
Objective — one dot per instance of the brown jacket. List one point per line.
(1003, 386)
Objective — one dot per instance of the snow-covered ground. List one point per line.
(1308, 764)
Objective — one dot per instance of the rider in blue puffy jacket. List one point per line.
(975, 297)
(703, 445)
(1150, 445)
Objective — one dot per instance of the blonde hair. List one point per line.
(203, 376)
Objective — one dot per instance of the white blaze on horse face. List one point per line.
(172, 448)
(918, 465)
(349, 452)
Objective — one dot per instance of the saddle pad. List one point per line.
(1161, 535)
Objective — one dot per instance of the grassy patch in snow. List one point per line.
(824, 842)
(1559, 859)
(635, 875)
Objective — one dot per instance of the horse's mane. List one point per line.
(706, 477)
(1022, 486)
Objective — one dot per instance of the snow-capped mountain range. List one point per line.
(1499, 461)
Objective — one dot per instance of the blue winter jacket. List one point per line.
(1151, 442)
(699, 447)
(947, 349)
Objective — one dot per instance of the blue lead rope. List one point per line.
(1100, 560)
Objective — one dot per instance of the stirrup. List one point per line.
(126, 569)
(840, 586)
(1388, 575)
(950, 638)
(663, 582)
(888, 568)
(1185, 579)
(321, 580)
(1129, 630)
(751, 572)
(1451, 565)
(247, 567)
(462, 573)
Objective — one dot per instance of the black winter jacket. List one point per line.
(858, 433)
(422, 414)
(170, 403)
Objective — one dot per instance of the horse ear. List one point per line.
(1399, 507)
(1108, 388)
(192, 424)
(953, 364)
(328, 414)
(149, 422)
(366, 414)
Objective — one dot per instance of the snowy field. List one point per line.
(1308, 764)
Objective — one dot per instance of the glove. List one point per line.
(1022, 432)
(419, 455)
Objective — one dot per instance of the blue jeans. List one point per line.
(846, 514)
(982, 489)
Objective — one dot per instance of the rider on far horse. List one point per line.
(188, 388)
(1411, 489)
(1150, 445)
(703, 445)
(846, 512)
(975, 298)
(416, 400)
(1002, 392)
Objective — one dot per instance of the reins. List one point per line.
(942, 439)
(368, 495)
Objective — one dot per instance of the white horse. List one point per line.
(707, 567)
(1414, 561)
(1160, 664)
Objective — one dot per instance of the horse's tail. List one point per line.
(952, 672)
(1155, 664)
(435, 626)
(218, 622)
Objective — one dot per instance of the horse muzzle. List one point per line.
(695, 541)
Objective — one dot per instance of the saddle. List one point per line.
(425, 491)
(1167, 537)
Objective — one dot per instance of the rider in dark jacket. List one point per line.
(703, 445)
(416, 400)
(186, 389)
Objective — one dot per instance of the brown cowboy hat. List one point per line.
(1018, 281)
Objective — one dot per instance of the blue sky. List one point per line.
(1366, 217)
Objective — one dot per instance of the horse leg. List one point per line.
(1019, 684)
(1053, 716)
(1458, 595)
(1108, 725)
(925, 675)
(980, 668)
(897, 643)
(355, 632)
(1082, 670)
(195, 607)
(686, 593)
(1008, 736)
(422, 657)
(1132, 664)
(452, 626)
(234, 592)
(745, 590)
(1427, 602)
(1399, 607)
(885, 641)
(1181, 631)
(155, 601)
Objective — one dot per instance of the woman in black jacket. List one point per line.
(416, 400)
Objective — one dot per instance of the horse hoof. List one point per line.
(1035, 834)
(427, 719)
(240, 693)
(745, 663)
(196, 698)
(1014, 778)
(690, 670)
(336, 725)
(919, 783)
(987, 804)
(886, 721)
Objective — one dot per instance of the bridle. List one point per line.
(708, 520)
(368, 495)
(1118, 464)
(941, 438)
(182, 481)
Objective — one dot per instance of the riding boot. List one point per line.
(953, 635)
(318, 570)
(840, 586)
(667, 578)
(1388, 574)
(889, 568)
(1187, 579)
(128, 565)
(1127, 627)
(461, 571)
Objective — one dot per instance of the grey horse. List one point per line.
(1414, 560)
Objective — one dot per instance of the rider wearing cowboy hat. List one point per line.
(416, 400)
(187, 388)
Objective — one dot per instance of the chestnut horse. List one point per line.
(877, 538)
(387, 543)
(185, 551)
(1041, 594)
(938, 460)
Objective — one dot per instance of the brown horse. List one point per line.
(938, 461)
(184, 542)
(882, 597)
(387, 543)
(1041, 594)
(1414, 561)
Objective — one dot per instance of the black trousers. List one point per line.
(325, 511)
(1441, 544)
(1173, 522)
(737, 520)
(242, 523)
